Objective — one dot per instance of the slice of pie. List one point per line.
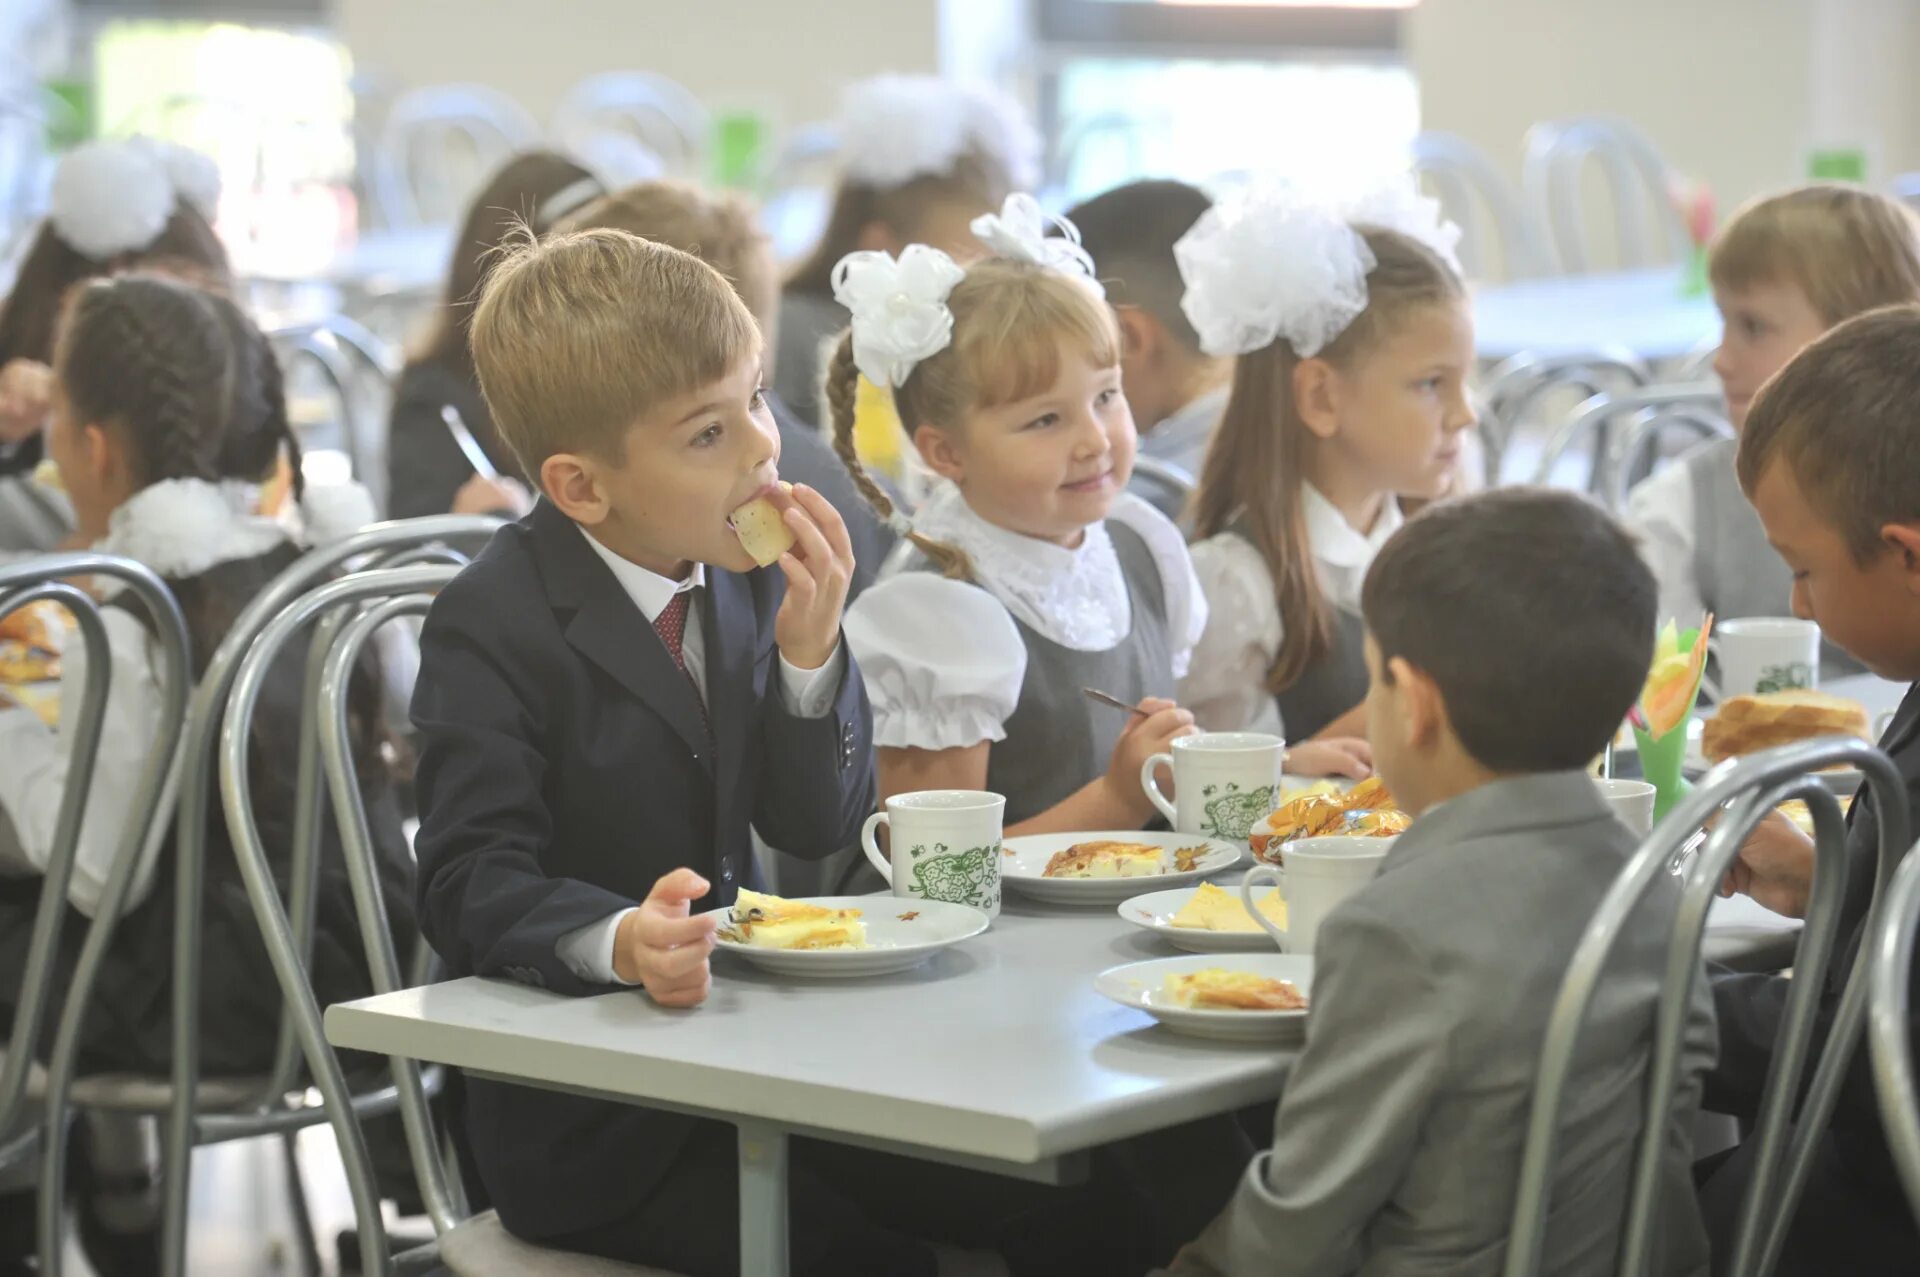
(1212, 909)
(1107, 859)
(772, 923)
(1219, 989)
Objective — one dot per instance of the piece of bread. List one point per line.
(762, 532)
(772, 923)
(1219, 989)
(1107, 860)
(1211, 909)
(1747, 724)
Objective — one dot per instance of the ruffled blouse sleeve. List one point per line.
(1226, 686)
(943, 661)
(1186, 600)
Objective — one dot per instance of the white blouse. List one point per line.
(943, 659)
(1226, 689)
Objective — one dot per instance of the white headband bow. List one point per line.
(894, 128)
(115, 197)
(899, 306)
(1275, 262)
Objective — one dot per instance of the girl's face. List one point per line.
(1395, 416)
(1762, 327)
(91, 466)
(1047, 466)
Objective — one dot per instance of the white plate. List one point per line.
(896, 941)
(1138, 985)
(1154, 911)
(1023, 866)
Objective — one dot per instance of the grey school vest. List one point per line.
(1057, 738)
(1331, 685)
(1739, 573)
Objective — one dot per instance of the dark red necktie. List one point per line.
(671, 626)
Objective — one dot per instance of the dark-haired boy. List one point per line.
(1508, 634)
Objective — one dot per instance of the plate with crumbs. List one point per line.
(1207, 918)
(1247, 997)
(1104, 868)
(833, 936)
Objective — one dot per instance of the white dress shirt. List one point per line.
(588, 951)
(1660, 513)
(1227, 686)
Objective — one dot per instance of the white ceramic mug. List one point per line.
(1224, 782)
(1318, 875)
(1764, 654)
(1632, 802)
(946, 846)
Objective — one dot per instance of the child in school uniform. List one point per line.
(1786, 269)
(1037, 574)
(1354, 344)
(117, 206)
(922, 156)
(1506, 637)
(1175, 390)
(1827, 458)
(167, 412)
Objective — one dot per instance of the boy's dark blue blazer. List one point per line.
(566, 766)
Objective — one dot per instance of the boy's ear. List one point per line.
(936, 448)
(572, 483)
(1903, 539)
(1423, 714)
(1140, 333)
(1316, 395)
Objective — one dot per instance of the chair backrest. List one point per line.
(1518, 385)
(799, 189)
(1648, 229)
(379, 596)
(634, 125)
(205, 714)
(1749, 789)
(1495, 225)
(1621, 429)
(438, 144)
(48, 580)
(1890, 1023)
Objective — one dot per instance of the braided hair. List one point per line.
(189, 381)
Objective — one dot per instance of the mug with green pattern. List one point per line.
(1224, 782)
(946, 846)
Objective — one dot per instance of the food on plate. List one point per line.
(1367, 811)
(1211, 909)
(1106, 859)
(38, 625)
(1219, 989)
(763, 533)
(1748, 724)
(47, 475)
(1796, 811)
(769, 922)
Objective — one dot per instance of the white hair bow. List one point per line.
(1019, 231)
(116, 197)
(899, 308)
(894, 128)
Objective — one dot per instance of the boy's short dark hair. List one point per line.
(1130, 232)
(1844, 417)
(1531, 610)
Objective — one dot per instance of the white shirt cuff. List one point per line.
(810, 693)
(588, 951)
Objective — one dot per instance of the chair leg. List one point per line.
(308, 1242)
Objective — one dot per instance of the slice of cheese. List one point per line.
(763, 533)
(1212, 909)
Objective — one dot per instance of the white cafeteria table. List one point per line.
(1641, 311)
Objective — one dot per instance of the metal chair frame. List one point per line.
(1890, 1023)
(1648, 413)
(1556, 153)
(1486, 206)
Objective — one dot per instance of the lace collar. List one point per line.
(182, 527)
(1078, 597)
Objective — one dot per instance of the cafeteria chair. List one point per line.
(631, 126)
(1625, 430)
(437, 146)
(1890, 1023)
(799, 190)
(1518, 387)
(1647, 228)
(464, 1245)
(353, 368)
(1748, 789)
(1495, 225)
(195, 1109)
(33, 1100)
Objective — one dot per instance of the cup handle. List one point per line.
(1269, 875)
(871, 846)
(1151, 783)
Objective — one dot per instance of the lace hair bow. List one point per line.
(115, 197)
(899, 308)
(1274, 262)
(1019, 231)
